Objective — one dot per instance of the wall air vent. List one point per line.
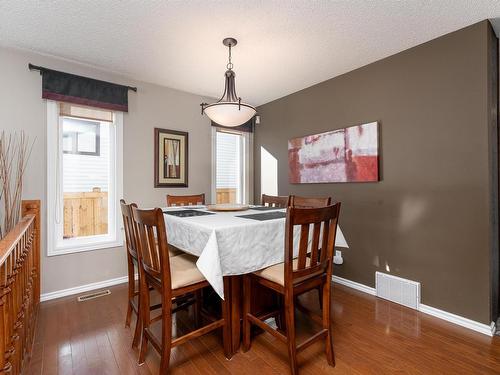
(398, 290)
(86, 297)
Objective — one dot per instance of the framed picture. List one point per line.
(171, 158)
(343, 155)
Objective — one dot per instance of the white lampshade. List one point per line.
(230, 113)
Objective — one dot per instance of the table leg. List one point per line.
(263, 300)
(235, 295)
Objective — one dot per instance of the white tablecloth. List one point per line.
(230, 245)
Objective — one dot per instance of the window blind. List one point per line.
(84, 112)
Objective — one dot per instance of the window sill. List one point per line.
(71, 249)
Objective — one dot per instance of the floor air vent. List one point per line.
(93, 295)
(398, 290)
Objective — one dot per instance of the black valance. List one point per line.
(76, 89)
(246, 127)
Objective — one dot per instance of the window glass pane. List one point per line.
(84, 135)
(228, 168)
(68, 142)
(86, 178)
(87, 142)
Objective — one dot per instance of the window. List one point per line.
(81, 136)
(231, 166)
(84, 182)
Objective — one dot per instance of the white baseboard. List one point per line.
(354, 285)
(485, 329)
(82, 288)
(460, 320)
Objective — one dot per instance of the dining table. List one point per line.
(231, 244)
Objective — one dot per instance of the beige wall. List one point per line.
(21, 108)
(428, 219)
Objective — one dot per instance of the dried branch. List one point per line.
(15, 152)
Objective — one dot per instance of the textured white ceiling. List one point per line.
(284, 46)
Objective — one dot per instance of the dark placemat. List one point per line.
(187, 213)
(265, 208)
(265, 216)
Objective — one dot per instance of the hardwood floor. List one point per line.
(372, 336)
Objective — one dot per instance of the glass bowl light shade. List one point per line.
(229, 113)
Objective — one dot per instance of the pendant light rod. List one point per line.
(229, 42)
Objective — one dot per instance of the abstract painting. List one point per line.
(171, 153)
(171, 158)
(343, 155)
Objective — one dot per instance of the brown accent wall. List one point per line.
(429, 217)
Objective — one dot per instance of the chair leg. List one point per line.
(131, 289)
(197, 308)
(327, 324)
(166, 337)
(138, 324)
(145, 317)
(290, 332)
(226, 315)
(280, 318)
(129, 315)
(247, 298)
(320, 296)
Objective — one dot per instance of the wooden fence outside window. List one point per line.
(85, 213)
(226, 195)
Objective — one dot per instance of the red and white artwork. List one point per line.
(343, 155)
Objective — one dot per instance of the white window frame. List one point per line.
(247, 170)
(55, 214)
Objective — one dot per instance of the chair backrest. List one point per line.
(185, 200)
(320, 243)
(152, 245)
(128, 225)
(275, 201)
(309, 202)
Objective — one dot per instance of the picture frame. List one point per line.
(171, 158)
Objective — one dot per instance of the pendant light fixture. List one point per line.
(229, 110)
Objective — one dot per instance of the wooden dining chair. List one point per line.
(171, 277)
(132, 262)
(309, 202)
(185, 200)
(131, 243)
(297, 275)
(275, 201)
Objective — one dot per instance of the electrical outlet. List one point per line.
(337, 259)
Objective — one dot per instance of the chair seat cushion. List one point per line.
(184, 272)
(276, 273)
(174, 251)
